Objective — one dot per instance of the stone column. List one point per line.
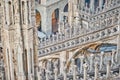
(62, 61)
(112, 60)
(85, 71)
(65, 73)
(70, 12)
(7, 65)
(55, 72)
(96, 71)
(91, 62)
(11, 64)
(26, 45)
(30, 14)
(60, 15)
(101, 60)
(76, 14)
(81, 64)
(74, 72)
(20, 65)
(18, 44)
(118, 44)
(108, 69)
(73, 63)
(39, 72)
(117, 57)
(47, 77)
(26, 13)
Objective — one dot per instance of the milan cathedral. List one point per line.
(59, 39)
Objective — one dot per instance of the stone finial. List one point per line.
(108, 69)
(85, 71)
(55, 72)
(74, 72)
(91, 62)
(82, 61)
(96, 71)
(101, 60)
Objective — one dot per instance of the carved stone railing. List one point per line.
(75, 37)
(87, 13)
(99, 26)
(97, 66)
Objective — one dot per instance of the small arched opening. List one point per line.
(65, 10)
(55, 20)
(77, 63)
(38, 20)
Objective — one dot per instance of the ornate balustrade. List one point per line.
(98, 66)
(87, 12)
(76, 35)
(100, 24)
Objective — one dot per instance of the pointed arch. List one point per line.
(38, 20)
(55, 20)
(66, 8)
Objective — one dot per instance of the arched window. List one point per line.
(77, 63)
(65, 10)
(38, 20)
(55, 20)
